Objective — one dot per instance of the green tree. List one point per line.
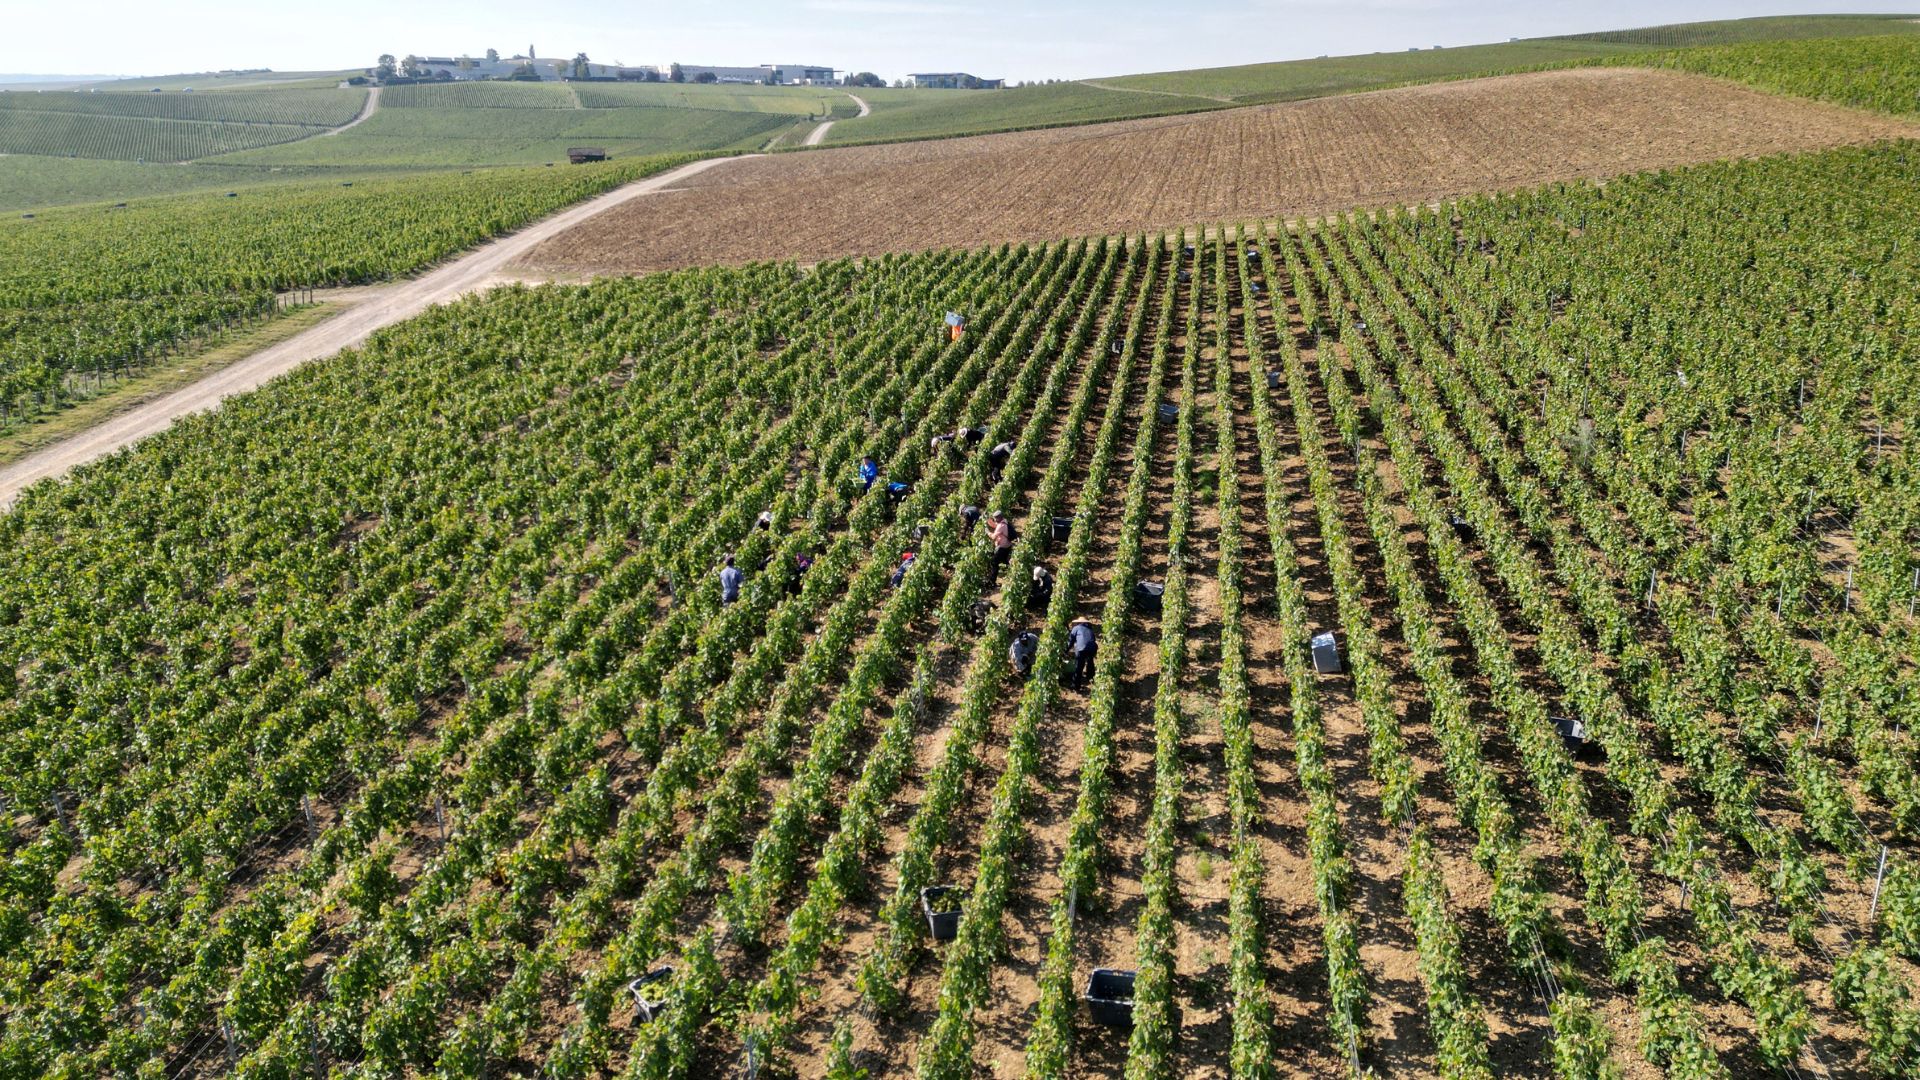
(383, 69)
(493, 56)
(580, 67)
(676, 75)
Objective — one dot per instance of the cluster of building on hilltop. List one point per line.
(532, 68)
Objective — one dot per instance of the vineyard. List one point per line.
(95, 294)
(166, 127)
(424, 137)
(791, 100)
(1879, 73)
(390, 720)
(311, 108)
(1764, 28)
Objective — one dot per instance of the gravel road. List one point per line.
(819, 134)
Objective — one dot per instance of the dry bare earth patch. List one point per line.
(1299, 159)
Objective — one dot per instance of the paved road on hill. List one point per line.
(819, 134)
(472, 272)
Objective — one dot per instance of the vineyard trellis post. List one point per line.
(306, 809)
(1879, 880)
(440, 815)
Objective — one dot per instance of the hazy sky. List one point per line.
(1005, 38)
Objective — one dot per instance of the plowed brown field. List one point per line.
(1299, 159)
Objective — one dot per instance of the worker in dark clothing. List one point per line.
(1082, 642)
(869, 472)
(764, 522)
(934, 444)
(801, 564)
(900, 572)
(969, 516)
(970, 438)
(1022, 652)
(1000, 531)
(1042, 592)
(997, 459)
(730, 579)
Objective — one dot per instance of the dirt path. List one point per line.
(366, 111)
(473, 272)
(1098, 85)
(819, 134)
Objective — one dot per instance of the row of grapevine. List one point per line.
(1536, 947)
(703, 758)
(1671, 1032)
(746, 518)
(1252, 1055)
(1456, 1019)
(1050, 1043)
(1672, 1035)
(965, 978)
(1349, 995)
(622, 578)
(917, 595)
(1150, 1048)
(1707, 649)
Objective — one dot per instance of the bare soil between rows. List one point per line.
(1294, 160)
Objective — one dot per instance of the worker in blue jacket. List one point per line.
(1082, 642)
(869, 472)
